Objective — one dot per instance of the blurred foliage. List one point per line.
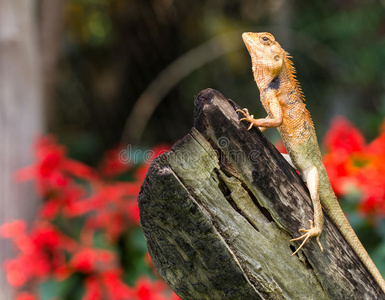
(85, 243)
(351, 82)
(112, 50)
(356, 170)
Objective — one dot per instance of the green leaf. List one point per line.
(52, 289)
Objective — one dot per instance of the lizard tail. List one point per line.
(338, 217)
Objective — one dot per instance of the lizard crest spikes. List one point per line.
(282, 98)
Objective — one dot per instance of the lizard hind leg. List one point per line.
(311, 176)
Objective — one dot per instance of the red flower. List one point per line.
(50, 162)
(79, 169)
(343, 138)
(373, 201)
(16, 274)
(50, 209)
(25, 296)
(89, 260)
(52, 167)
(141, 172)
(116, 207)
(351, 163)
(146, 289)
(93, 289)
(280, 146)
(159, 150)
(115, 287)
(13, 229)
(339, 169)
(377, 146)
(42, 251)
(113, 164)
(106, 209)
(107, 285)
(343, 141)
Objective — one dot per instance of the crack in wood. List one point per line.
(227, 194)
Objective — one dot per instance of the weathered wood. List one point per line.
(218, 211)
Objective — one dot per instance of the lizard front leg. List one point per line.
(268, 122)
(311, 177)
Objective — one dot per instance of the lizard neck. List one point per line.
(283, 79)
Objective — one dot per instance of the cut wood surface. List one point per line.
(218, 211)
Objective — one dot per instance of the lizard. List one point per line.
(283, 100)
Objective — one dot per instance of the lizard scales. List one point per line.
(283, 100)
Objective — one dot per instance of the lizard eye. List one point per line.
(265, 40)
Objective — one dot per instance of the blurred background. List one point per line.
(100, 57)
(101, 73)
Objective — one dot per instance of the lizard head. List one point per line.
(267, 56)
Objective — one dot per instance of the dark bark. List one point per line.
(218, 211)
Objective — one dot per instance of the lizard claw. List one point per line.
(313, 231)
(244, 111)
(248, 117)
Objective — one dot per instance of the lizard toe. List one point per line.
(309, 233)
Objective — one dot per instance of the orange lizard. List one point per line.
(283, 100)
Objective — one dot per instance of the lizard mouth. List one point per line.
(247, 39)
(251, 41)
(246, 35)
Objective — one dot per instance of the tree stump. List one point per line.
(218, 211)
